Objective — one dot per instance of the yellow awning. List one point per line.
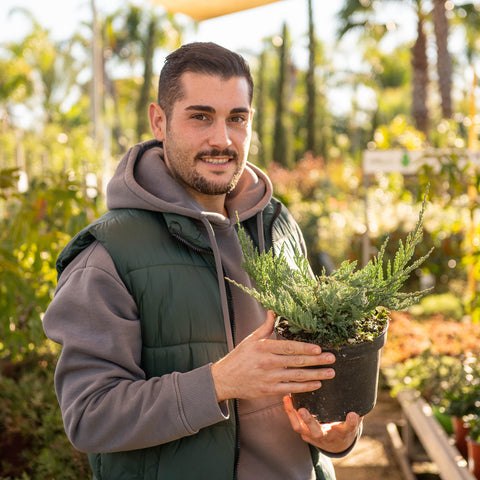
(204, 9)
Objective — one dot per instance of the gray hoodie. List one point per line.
(107, 403)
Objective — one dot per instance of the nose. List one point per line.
(220, 136)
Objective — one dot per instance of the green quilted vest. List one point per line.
(163, 260)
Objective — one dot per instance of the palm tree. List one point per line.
(56, 68)
(260, 96)
(358, 13)
(132, 36)
(444, 63)
(310, 81)
(280, 145)
(41, 74)
(468, 15)
(16, 84)
(420, 79)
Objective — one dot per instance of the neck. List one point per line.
(213, 203)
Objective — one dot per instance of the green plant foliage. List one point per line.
(8, 180)
(474, 424)
(464, 399)
(430, 375)
(399, 133)
(458, 178)
(33, 442)
(464, 402)
(447, 304)
(34, 228)
(338, 308)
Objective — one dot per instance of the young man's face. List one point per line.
(207, 136)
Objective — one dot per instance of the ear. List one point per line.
(158, 121)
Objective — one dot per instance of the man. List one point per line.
(167, 371)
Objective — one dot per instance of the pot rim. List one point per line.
(351, 348)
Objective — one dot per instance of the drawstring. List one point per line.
(220, 275)
(221, 282)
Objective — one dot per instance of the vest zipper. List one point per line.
(237, 440)
(235, 400)
(188, 244)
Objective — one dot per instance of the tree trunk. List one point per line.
(280, 137)
(97, 82)
(311, 97)
(117, 130)
(143, 100)
(420, 80)
(444, 63)
(260, 109)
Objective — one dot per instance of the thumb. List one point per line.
(266, 329)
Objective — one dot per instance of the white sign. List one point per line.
(408, 162)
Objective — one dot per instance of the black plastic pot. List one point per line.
(354, 387)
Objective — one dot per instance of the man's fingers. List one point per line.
(302, 421)
(261, 366)
(315, 429)
(266, 329)
(292, 347)
(296, 361)
(296, 354)
(304, 375)
(352, 422)
(295, 421)
(332, 437)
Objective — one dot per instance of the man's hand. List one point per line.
(331, 437)
(261, 367)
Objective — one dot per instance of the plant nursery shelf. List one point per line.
(436, 443)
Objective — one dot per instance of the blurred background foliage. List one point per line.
(55, 162)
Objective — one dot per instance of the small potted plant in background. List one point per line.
(463, 402)
(344, 312)
(473, 444)
(460, 406)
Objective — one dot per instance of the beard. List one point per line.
(190, 177)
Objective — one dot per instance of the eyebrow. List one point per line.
(207, 108)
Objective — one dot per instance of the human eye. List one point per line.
(239, 118)
(202, 117)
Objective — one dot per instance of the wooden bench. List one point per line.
(421, 423)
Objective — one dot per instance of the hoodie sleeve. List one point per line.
(107, 403)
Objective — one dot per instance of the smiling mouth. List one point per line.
(217, 157)
(216, 161)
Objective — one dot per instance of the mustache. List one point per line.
(217, 153)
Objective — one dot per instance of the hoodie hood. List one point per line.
(142, 180)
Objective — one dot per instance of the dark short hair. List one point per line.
(199, 57)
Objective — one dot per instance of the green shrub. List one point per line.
(430, 375)
(447, 304)
(474, 424)
(34, 227)
(32, 439)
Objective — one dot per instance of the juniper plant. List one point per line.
(346, 306)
